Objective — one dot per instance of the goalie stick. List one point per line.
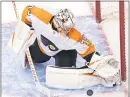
(41, 88)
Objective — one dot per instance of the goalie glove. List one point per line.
(112, 62)
(22, 38)
(107, 68)
(30, 40)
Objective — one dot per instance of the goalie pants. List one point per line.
(62, 59)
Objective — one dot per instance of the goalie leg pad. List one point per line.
(70, 78)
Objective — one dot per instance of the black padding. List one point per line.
(89, 57)
(52, 24)
(45, 41)
(97, 53)
(29, 25)
(36, 54)
(66, 58)
(48, 43)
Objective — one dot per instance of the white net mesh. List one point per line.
(109, 13)
(110, 10)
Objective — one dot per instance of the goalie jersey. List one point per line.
(50, 42)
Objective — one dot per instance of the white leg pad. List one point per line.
(70, 78)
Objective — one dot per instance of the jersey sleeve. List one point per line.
(87, 45)
(84, 46)
(40, 13)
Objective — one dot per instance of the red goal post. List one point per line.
(98, 12)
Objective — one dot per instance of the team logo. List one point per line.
(52, 48)
(29, 9)
(86, 41)
(48, 43)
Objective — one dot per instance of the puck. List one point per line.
(89, 92)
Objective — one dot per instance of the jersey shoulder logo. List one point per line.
(52, 48)
(48, 43)
(29, 9)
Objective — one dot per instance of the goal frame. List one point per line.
(121, 33)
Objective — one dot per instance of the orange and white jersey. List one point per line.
(51, 42)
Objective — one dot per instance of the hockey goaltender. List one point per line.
(49, 34)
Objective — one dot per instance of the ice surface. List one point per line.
(19, 82)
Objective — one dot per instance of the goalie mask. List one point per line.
(63, 20)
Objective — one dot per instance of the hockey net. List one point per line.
(108, 14)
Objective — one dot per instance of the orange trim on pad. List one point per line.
(88, 74)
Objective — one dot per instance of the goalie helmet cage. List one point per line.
(98, 13)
